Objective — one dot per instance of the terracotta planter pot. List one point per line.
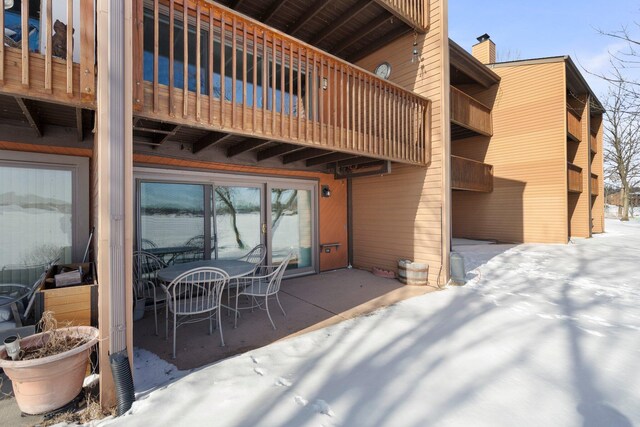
(43, 385)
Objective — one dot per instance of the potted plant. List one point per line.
(47, 369)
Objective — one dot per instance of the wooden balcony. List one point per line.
(36, 69)
(593, 143)
(594, 185)
(574, 126)
(574, 178)
(471, 175)
(470, 113)
(265, 84)
(413, 12)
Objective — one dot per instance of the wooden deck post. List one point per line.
(113, 169)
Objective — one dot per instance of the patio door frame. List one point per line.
(211, 180)
(303, 185)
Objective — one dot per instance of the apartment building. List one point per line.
(151, 120)
(526, 148)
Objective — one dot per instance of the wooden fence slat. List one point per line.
(48, 73)
(25, 43)
(156, 50)
(69, 47)
(185, 60)
(87, 50)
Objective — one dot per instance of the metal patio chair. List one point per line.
(255, 256)
(145, 279)
(264, 284)
(195, 292)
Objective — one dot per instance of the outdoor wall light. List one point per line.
(325, 83)
(326, 191)
(8, 4)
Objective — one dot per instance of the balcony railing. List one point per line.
(574, 178)
(471, 175)
(574, 126)
(470, 113)
(58, 68)
(594, 185)
(593, 143)
(266, 84)
(413, 12)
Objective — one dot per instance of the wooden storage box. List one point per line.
(77, 304)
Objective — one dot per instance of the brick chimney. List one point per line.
(485, 50)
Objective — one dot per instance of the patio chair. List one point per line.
(255, 256)
(195, 292)
(264, 284)
(145, 279)
(13, 297)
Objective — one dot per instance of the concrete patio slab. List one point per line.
(311, 302)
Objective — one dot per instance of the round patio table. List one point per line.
(233, 268)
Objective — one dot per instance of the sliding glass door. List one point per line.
(292, 227)
(186, 217)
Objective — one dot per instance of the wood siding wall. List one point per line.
(597, 202)
(400, 215)
(528, 154)
(332, 210)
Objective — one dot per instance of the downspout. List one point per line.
(349, 222)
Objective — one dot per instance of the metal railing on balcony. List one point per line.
(574, 125)
(574, 178)
(471, 175)
(594, 185)
(230, 73)
(470, 113)
(36, 63)
(413, 12)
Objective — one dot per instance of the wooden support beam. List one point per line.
(152, 130)
(165, 138)
(363, 32)
(384, 40)
(29, 112)
(79, 124)
(308, 16)
(246, 145)
(305, 154)
(272, 11)
(210, 139)
(354, 162)
(278, 150)
(329, 158)
(332, 27)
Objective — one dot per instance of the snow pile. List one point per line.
(541, 335)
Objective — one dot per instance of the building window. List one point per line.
(43, 212)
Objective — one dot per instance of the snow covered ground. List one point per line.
(540, 335)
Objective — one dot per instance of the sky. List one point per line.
(534, 29)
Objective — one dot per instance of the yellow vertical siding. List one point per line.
(597, 204)
(400, 215)
(527, 150)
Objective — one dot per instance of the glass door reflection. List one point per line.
(237, 225)
(292, 229)
(172, 221)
